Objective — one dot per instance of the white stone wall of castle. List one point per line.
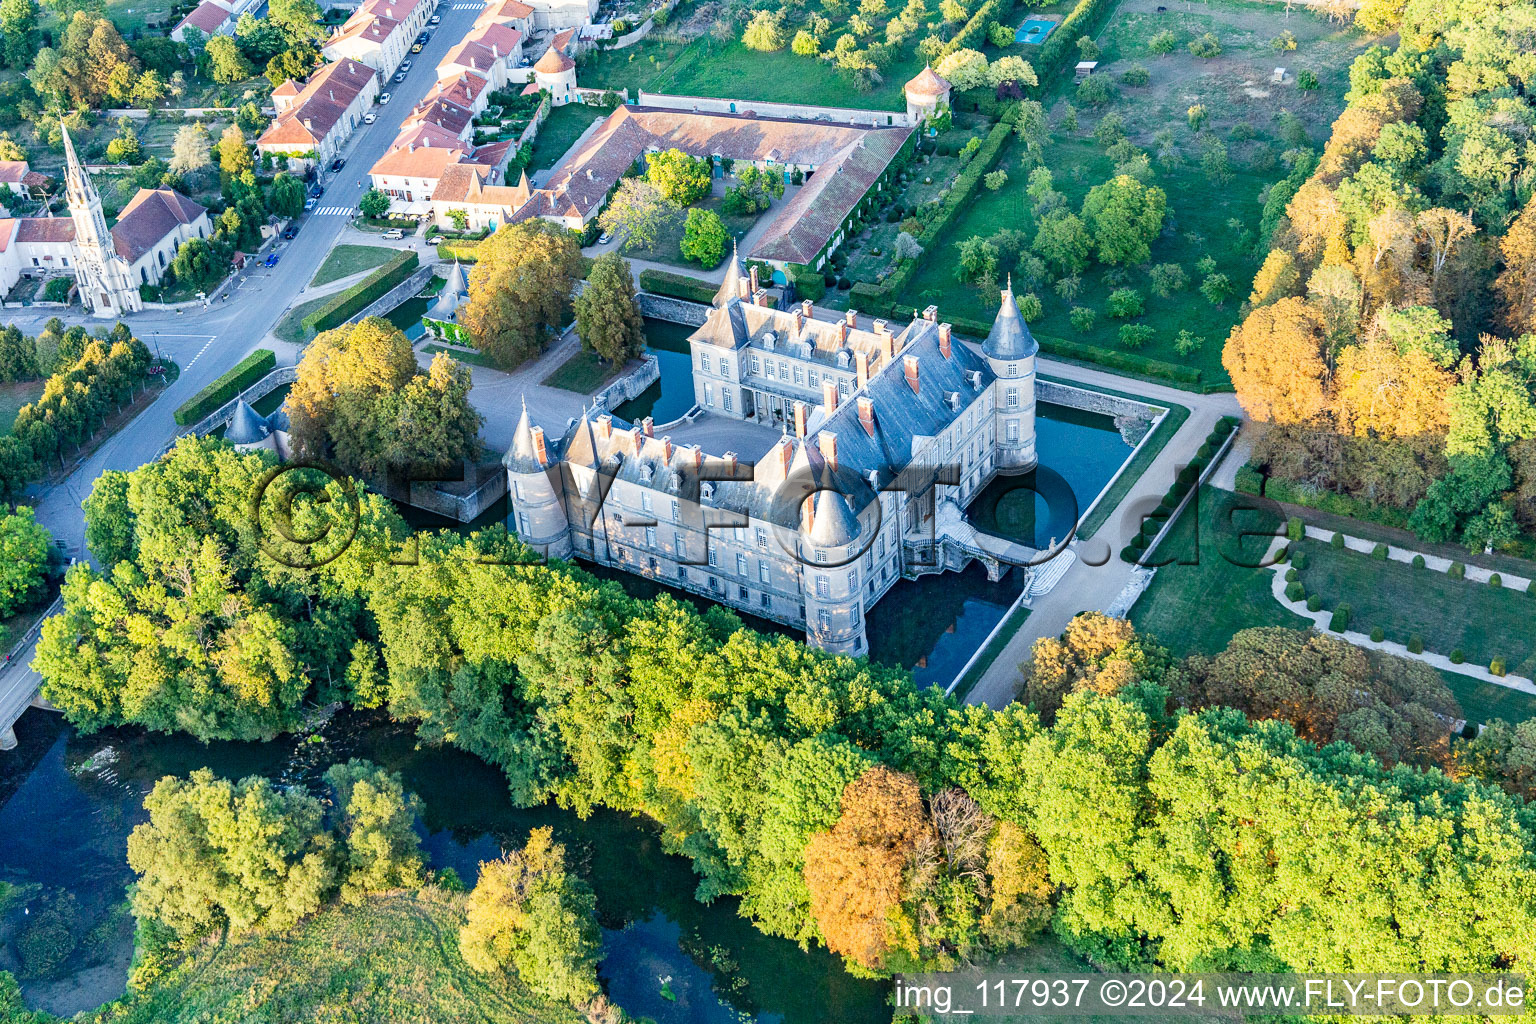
(793, 111)
(1015, 444)
(557, 15)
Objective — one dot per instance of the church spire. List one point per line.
(106, 281)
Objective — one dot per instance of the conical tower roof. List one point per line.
(452, 295)
(523, 456)
(246, 426)
(730, 288)
(1009, 337)
(833, 524)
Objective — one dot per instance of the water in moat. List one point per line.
(68, 802)
(671, 395)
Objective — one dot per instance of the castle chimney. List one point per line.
(752, 272)
(604, 426)
(635, 437)
(861, 368)
(887, 346)
(867, 414)
(931, 314)
(945, 347)
(762, 298)
(849, 318)
(539, 451)
(827, 442)
(666, 449)
(649, 426)
(805, 308)
(786, 449)
(799, 322)
(829, 396)
(730, 463)
(909, 364)
(698, 458)
(799, 419)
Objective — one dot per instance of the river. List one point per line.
(69, 802)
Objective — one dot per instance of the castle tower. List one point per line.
(831, 578)
(1011, 350)
(106, 282)
(927, 94)
(536, 513)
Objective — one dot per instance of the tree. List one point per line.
(1517, 282)
(190, 150)
(18, 21)
(1063, 242)
(1124, 216)
(1503, 755)
(765, 32)
(225, 61)
(196, 264)
(299, 20)
(1205, 46)
(24, 546)
(234, 153)
(529, 912)
(608, 316)
(1032, 127)
(377, 833)
(907, 247)
(680, 178)
(18, 356)
(1012, 69)
(704, 238)
(374, 204)
(854, 871)
(978, 261)
(638, 214)
(214, 854)
(964, 69)
(294, 63)
(1163, 42)
(1216, 288)
(359, 399)
(805, 44)
(1277, 361)
(286, 196)
(1276, 279)
(1168, 278)
(520, 289)
(124, 148)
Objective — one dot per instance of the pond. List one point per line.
(1080, 453)
(671, 395)
(69, 802)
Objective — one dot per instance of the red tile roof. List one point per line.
(13, 171)
(45, 229)
(148, 218)
(208, 18)
(323, 101)
(553, 62)
(928, 84)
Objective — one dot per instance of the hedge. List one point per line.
(809, 284)
(1050, 61)
(679, 286)
(1340, 621)
(1294, 591)
(1495, 581)
(1457, 571)
(1291, 493)
(207, 401)
(354, 300)
(1496, 667)
(1378, 634)
(975, 30)
(1249, 480)
(462, 250)
(1415, 644)
(1295, 529)
(1379, 552)
(1299, 559)
(1315, 603)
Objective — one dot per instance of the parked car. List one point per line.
(415, 47)
(316, 191)
(291, 233)
(435, 240)
(309, 204)
(383, 98)
(337, 164)
(436, 19)
(399, 77)
(394, 234)
(271, 260)
(604, 238)
(406, 64)
(370, 117)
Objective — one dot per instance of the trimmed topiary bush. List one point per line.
(1299, 559)
(1206, 451)
(1295, 591)
(1495, 580)
(1418, 561)
(1295, 529)
(1290, 575)
(1337, 542)
(1457, 657)
(1130, 553)
(1378, 634)
(1340, 621)
(1379, 552)
(1415, 644)
(1457, 571)
(1496, 666)
(1315, 603)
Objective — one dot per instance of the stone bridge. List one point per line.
(19, 684)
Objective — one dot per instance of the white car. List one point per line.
(436, 19)
(604, 238)
(370, 117)
(383, 98)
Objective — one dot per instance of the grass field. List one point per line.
(291, 327)
(471, 358)
(559, 131)
(582, 373)
(1482, 622)
(1208, 592)
(394, 958)
(346, 260)
(668, 245)
(13, 397)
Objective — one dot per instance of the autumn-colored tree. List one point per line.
(1094, 652)
(1319, 223)
(520, 289)
(854, 872)
(1442, 231)
(1020, 904)
(1381, 391)
(1517, 282)
(1276, 279)
(1277, 361)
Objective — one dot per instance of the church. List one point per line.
(108, 265)
(886, 432)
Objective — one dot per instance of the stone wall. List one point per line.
(255, 393)
(1094, 401)
(630, 385)
(793, 111)
(463, 508)
(398, 294)
(677, 311)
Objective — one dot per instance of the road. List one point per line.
(206, 343)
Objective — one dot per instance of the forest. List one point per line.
(1388, 354)
(1127, 802)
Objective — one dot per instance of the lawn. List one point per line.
(291, 327)
(560, 131)
(346, 260)
(582, 373)
(394, 958)
(13, 397)
(1208, 591)
(472, 358)
(668, 245)
(1482, 622)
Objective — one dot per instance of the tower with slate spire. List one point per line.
(105, 280)
(719, 347)
(829, 554)
(1011, 351)
(535, 510)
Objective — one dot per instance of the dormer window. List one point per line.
(706, 491)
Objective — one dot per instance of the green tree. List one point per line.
(124, 148)
(225, 61)
(197, 264)
(377, 833)
(1124, 216)
(680, 178)
(608, 316)
(520, 289)
(299, 20)
(374, 203)
(704, 238)
(24, 548)
(529, 912)
(18, 356)
(765, 32)
(234, 153)
(286, 196)
(190, 150)
(1063, 242)
(18, 22)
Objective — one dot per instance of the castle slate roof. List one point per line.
(246, 426)
(1009, 337)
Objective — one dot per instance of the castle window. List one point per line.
(757, 365)
(813, 378)
(678, 547)
(768, 368)
(682, 574)
(1013, 430)
(842, 387)
(763, 572)
(762, 538)
(821, 556)
(799, 375)
(645, 501)
(823, 587)
(783, 370)
(522, 523)
(714, 556)
(823, 621)
(1013, 369)
(1013, 398)
(765, 600)
(675, 511)
(741, 565)
(742, 593)
(517, 489)
(726, 398)
(853, 579)
(650, 536)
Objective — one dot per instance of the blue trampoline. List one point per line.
(1034, 31)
